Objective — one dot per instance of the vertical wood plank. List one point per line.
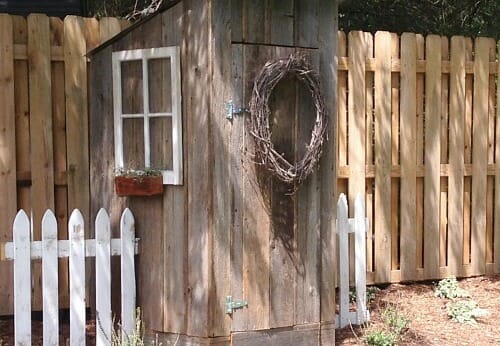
(479, 156)
(432, 155)
(395, 183)
(356, 114)
(76, 114)
(360, 251)
(456, 152)
(103, 278)
(256, 197)
(382, 156)
(306, 23)
(22, 279)
(408, 245)
(199, 157)
(59, 142)
(342, 103)
(108, 27)
(223, 187)
(254, 21)
(50, 280)
(280, 29)
(8, 202)
(41, 135)
(496, 231)
(77, 278)
(127, 270)
(327, 41)
(22, 113)
(237, 181)
(420, 154)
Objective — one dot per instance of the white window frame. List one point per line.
(174, 176)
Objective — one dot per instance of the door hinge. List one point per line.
(231, 110)
(232, 305)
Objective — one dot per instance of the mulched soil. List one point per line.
(429, 322)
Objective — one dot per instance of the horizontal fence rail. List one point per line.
(419, 137)
(23, 250)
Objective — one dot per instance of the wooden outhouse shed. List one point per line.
(228, 254)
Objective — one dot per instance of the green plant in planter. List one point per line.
(146, 172)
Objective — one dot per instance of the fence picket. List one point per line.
(127, 235)
(77, 278)
(103, 278)
(22, 279)
(360, 255)
(50, 280)
(343, 248)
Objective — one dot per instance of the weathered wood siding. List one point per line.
(231, 229)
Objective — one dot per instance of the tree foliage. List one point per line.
(445, 17)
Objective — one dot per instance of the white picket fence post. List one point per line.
(359, 226)
(22, 250)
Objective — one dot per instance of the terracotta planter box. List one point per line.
(139, 186)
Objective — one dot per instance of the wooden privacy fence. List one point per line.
(419, 136)
(44, 122)
(23, 250)
(358, 226)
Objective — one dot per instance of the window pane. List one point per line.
(160, 88)
(133, 143)
(160, 131)
(132, 87)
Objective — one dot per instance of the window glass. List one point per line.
(132, 87)
(160, 88)
(133, 145)
(160, 134)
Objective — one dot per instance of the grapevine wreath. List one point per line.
(264, 84)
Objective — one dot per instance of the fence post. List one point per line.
(103, 279)
(127, 235)
(22, 279)
(50, 280)
(343, 232)
(77, 278)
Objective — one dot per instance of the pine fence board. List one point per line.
(8, 202)
(479, 156)
(432, 156)
(456, 155)
(496, 235)
(382, 156)
(41, 135)
(408, 244)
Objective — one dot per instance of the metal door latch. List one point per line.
(231, 110)
(232, 305)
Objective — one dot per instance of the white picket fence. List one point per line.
(22, 250)
(359, 226)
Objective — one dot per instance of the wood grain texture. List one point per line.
(41, 135)
(408, 155)
(327, 40)
(456, 154)
(496, 226)
(479, 156)
(223, 189)
(432, 155)
(8, 203)
(198, 180)
(382, 156)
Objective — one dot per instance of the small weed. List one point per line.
(465, 311)
(380, 338)
(371, 291)
(397, 323)
(449, 289)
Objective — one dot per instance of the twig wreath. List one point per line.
(264, 84)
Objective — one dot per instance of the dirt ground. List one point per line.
(429, 322)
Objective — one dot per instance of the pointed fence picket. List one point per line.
(359, 226)
(22, 250)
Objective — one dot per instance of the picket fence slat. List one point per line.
(127, 231)
(359, 226)
(22, 280)
(50, 280)
(76, 248)
(103, 278)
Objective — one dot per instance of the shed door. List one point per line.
(275, 239)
